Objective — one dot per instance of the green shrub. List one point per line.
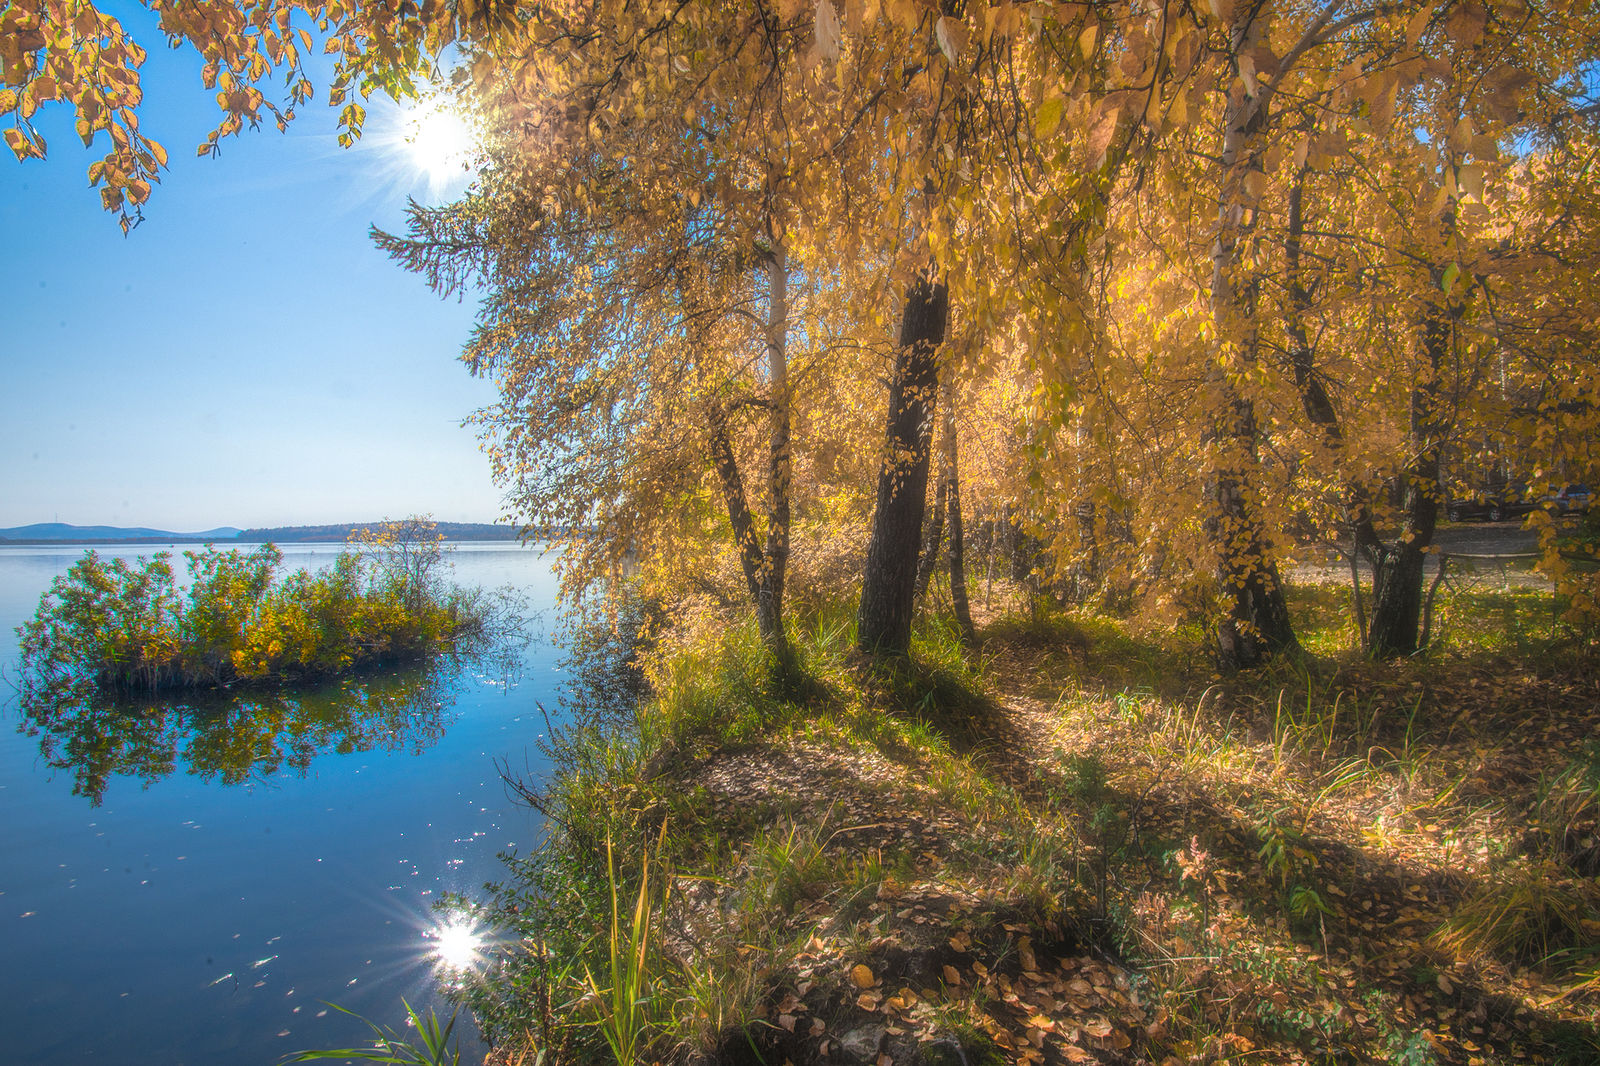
(124, 627)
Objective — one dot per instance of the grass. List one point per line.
(430, 1046)
(623, 1007)
(1052, 844)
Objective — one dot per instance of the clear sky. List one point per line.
(246, 356)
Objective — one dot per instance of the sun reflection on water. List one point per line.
(457, 943)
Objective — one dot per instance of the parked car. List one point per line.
(1490, 507)
(1572, 499)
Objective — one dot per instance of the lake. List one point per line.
(193, 884)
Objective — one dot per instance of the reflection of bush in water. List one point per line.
(603, 676)
(241, 738)
(603, 683)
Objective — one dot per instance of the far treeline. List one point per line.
(336, 533)
(780, 296)
(343, 532)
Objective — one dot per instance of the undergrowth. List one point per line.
(1051, 848)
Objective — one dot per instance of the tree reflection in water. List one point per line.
(237, 738)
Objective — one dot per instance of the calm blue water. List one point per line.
(203, 915)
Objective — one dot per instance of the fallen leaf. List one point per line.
(862, 975)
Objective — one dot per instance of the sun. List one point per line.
(439, 143)
(457, 944)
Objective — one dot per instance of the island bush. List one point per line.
(126, 626)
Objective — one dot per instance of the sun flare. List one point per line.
(439, 143)
(457, 944)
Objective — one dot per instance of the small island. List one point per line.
(120, 627)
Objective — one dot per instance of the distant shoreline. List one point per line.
(330, 534)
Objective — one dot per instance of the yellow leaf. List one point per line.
(17, 143)
(1047, 119)
(862, 975)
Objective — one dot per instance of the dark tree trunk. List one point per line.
(764, 570)
(1397, 598)
(1256, 623)
(1397, 609)
(889, 580)
(769, 600)
(1086, 571)
(1019, 555)
(958, 551)
(744, 534)
(1314, 396)
(933, 540)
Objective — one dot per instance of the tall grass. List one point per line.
(623, 1007)
(429, 1047)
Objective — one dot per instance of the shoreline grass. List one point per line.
(1069, 845)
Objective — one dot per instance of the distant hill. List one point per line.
(60, 532)
(54, 531)
(339, 533)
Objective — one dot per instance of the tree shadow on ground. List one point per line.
(1453, 736)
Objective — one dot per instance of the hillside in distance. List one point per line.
(340, 532)
(63, 533)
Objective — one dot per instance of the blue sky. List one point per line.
(246, 356)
